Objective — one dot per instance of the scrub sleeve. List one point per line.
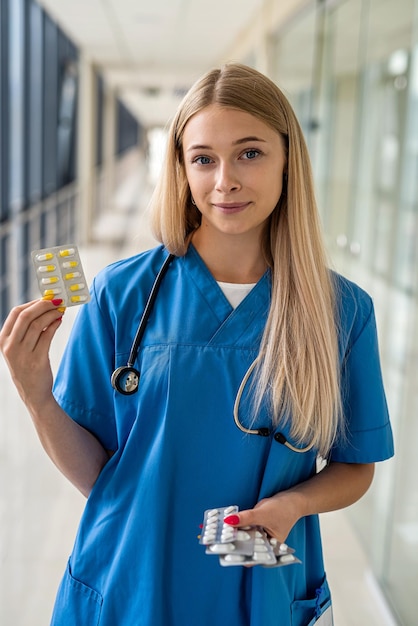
(136, 559)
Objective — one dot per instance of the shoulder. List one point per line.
(354, 309)
(123, 276)
(142, 262)
(122, 288)
(352, 296)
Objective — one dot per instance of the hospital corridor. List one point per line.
(87, 90)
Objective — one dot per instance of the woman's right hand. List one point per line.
(25, 340)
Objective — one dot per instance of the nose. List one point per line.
(226, 178)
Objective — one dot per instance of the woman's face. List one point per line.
(234, 165)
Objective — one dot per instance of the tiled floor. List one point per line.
(39, 510)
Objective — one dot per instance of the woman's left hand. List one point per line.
(277, 515)
(335, 487)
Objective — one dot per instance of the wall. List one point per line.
(350, 70)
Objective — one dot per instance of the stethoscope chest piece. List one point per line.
(125, 379)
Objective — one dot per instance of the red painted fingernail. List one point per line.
(233, 520)
(56, 302)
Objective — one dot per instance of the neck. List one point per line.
(232, 259)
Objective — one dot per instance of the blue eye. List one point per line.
(251, 154)
(202, 160)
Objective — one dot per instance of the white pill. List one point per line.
(46, 268)
(229, 509)
(78, 298)
(283, 547)
(77, 287)
(261, 556)
(212, 513)
(222, 548)
(50, 281)
(67, 252)
(209, 536)
(71, 275)
(234, 558)
(243, 536)
(287, 558)
(261, 548)
(51, 292)
(44, 257)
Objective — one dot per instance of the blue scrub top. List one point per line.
(136, 559)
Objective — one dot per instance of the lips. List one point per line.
(231, 207)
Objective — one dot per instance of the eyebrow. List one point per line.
(235, 143)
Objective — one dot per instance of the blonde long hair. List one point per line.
(299, 365)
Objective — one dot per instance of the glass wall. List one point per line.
(38, 87)
(351, 71)
(39, 83)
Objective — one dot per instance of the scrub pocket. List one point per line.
(76, 604)
(314, 611)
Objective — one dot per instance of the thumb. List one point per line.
(243, 518)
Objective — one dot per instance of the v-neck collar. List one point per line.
(233, 322)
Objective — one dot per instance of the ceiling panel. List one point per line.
(156, 49)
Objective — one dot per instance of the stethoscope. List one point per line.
(125, 379)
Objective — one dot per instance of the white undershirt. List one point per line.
(235, 293)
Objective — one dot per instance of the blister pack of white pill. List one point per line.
(60, 274)
(214, 529)
(242, 546)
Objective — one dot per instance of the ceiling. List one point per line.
(153, 51)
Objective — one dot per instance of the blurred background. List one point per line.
(87, 88)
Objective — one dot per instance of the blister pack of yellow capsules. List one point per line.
(60, 275)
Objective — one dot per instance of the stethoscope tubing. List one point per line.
(120, 374)
(125, 379)
(262, 431)
(147, 311)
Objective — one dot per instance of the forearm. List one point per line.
(73, 449)
(25, 340)
(338, 485)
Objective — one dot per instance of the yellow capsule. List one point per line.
(46, 268)
(67, 252)
(77, 287)
(78, 298)
(69, 264)
(50, 280)
(50, 293)
(71, 275)
(47, 256)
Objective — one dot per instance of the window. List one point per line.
(34, 112)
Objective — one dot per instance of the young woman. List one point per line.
(255, 360)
